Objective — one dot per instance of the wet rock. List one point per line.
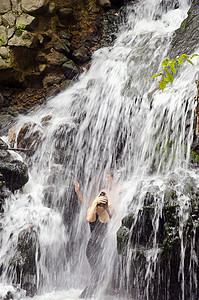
(62, 47)
(6, 121)
(5, 6)
(122, 239)
(81, 55)
(25, 260)
(53, 91)
(29, 137)
(15, 173)
(185, 39)
(56, 58)
(4, 194)
(34, 7)
(51, 80)
(66, 84)
(3, 145)
(27, 21)
(45, 120)
(26, 39)
(70, 69)
(138, 234)
(64, 137)
(169, 4)
(108, 27)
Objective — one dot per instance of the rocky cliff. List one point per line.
(44, 44)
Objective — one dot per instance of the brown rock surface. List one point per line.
(5, 6)
(43, 44)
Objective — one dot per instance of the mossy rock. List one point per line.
(122, 239)
(185, 38)
(128, 221)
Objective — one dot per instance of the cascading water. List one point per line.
(106, 120)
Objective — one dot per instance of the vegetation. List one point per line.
(170, 67)
(2, 39)
(20, 29)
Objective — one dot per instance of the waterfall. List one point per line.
(105, 120)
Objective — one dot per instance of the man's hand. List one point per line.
(100, 200)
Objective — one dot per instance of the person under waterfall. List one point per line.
(109, 189)
(98, 216)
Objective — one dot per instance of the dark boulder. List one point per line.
(14, 172)
(24, 261)
(185, 39)
(151, 243)
(3, 145)
(29, 137)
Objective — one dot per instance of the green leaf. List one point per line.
(162, 84)
(165, 79)
(169, 76)
(171, 62)
(173, 69)
(184, 56)
(180, 60)
(165, 62)
(189, 61)
(194, 55)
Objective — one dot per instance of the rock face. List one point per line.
(161, 247)
(185, 39)
(14, 172)
(25, 261)
(34, 7)
(45, 38)
(5, 6)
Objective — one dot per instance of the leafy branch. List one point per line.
(169, 69)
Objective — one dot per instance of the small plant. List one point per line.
(169, 68)
(2, 39)
(21, 27)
